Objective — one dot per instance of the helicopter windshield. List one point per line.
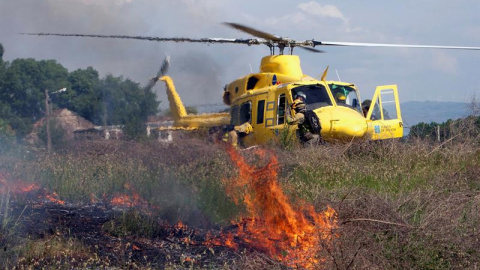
(345, 96)
(317, 95)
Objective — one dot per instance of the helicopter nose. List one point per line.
(346, 129)
(349, 130)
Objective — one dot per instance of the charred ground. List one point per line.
(400, 205)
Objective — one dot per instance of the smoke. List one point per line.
(198, 78)
(197, 19)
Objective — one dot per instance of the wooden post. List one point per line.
(438, 133)
(47, 118)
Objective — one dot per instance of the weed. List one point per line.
(134, 223)
(401, 205)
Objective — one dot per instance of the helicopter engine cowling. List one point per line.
(282, 64)
(274, 70)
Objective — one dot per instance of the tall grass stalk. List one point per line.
(401, 205)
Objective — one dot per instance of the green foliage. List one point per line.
(399, 205)
(469, 126)
(26, 83)
(3, 67)
(23, 88)
(7, 136)
(57, 134)
(125, 102)
(111, 100)
(134, 223)
(189, 109)
(288, 138)
(83, 96)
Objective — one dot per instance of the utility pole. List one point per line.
(47, 118)
(438, 133)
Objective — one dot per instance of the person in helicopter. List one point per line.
(340, 98)
(307, 135)
(376, 111)
(366, 106)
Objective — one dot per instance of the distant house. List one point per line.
(100, 132)
(68, 120)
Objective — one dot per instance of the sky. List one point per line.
(200, 71)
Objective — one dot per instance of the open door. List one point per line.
(384, 118)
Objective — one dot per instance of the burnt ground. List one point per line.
(169, 246)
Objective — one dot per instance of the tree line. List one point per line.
(468, 127)
(109, 100)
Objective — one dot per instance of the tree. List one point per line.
(467, 127)
(3, 68)
(126, 103)
(108, 101)
(57, 134)
(1, 52)
(24, 89)
(83, 97)
(6, 136)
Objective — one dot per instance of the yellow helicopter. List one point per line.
(262, 99)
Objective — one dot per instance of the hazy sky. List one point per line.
(200, 71)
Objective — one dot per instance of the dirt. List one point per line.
(172, 244)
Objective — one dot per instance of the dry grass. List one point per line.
(401, 205)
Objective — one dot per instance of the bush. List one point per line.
(7, 136)
(400, 205)
(57, 134)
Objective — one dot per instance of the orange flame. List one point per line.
(290, 234)
(18, 187)
(128, 201)
(54, 198)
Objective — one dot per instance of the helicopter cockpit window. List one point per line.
(245, 112)
(345, 96)
(281, 109)
(317, 95)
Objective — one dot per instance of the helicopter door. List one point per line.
(384, 117)
(245, 115)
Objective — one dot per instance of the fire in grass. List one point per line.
(17, 189)
(130, 199)
(288, 233)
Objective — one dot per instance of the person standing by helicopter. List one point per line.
(307, 134)
(237, 131)
(366, 107)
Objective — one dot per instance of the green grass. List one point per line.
(400, 205)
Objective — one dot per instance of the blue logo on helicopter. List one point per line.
(274, 80)
(377, 129)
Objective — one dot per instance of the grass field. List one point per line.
(400, 205)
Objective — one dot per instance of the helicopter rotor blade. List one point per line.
(164, 68)
(159, 39)
(162, 71)
(254, 32)
(361, 44)
(276, 41)
(265, 39)
(311, 49)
